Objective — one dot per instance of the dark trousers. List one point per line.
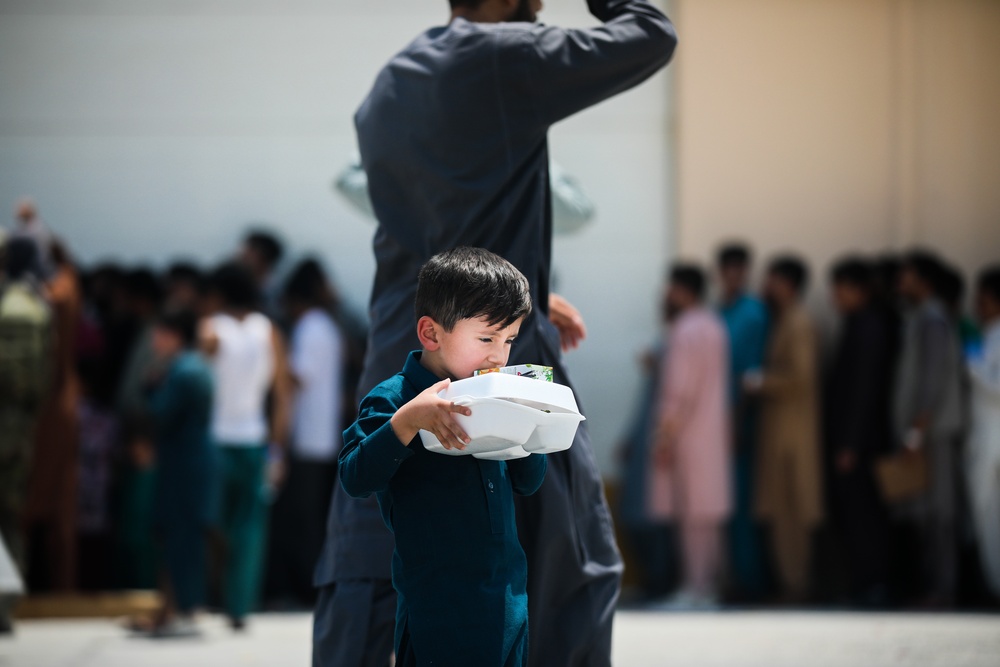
(861, 520)
(654, 547)
(747, 571)
(298, 527)
(574, 568)
(354, 624)
(185, 551)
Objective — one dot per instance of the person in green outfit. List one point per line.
(248, 363)
(180, 408)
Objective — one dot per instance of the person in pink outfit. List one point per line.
(689, 475)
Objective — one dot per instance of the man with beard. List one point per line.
(689, 482)
(858, 427)
(453, 138)
(788, 495)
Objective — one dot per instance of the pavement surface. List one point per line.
(642, 639)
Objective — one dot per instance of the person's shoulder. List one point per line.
(388, 393)
(191, 368)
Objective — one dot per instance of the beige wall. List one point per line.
(831, 125)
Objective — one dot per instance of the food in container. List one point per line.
(512, 416)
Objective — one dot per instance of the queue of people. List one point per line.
(863, 472)
(174, 430)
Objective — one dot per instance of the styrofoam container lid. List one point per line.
(544, 395)
(508, 428)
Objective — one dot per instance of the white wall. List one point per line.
(829, 126)
(153, 129)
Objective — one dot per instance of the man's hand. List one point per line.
(430, 412)
(568, 321)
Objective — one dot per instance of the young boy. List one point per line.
(458, 567)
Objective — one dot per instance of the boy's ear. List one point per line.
(428, 331)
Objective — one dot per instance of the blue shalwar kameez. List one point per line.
(453, 139)
(745, 318)
(458, 567)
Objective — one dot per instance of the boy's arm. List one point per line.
(527, 474)
(378, 442)
(371, 453)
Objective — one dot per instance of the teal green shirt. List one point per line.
(458, 567)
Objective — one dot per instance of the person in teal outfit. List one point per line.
(180, 407)
(458, 568)
(745, 317)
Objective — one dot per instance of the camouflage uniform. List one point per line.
(25, 336)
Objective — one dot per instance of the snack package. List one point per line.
(534, 371)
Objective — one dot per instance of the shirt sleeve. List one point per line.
(371, 453)
(527, 474)
(569, 70)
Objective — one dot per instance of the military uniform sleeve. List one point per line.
(527, 474)
(372, 453)
(570, 70)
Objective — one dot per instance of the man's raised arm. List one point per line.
(570, 70)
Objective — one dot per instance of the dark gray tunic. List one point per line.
(453, 137)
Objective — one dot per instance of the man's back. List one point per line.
(453, 140)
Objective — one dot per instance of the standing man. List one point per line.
(25, 350)
(453, 137)
(788, 497)
(858, 426)
(983, 454)
(745, 317)
(689, 482)
(928, 419)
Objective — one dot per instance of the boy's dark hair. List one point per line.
(181, 321)
(791, 269)
(853, 271)
(471, 282)
(690, 277)
(733, 254)
(266, 245)
(235, 285)
(989, 282)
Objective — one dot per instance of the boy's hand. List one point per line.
(430, 412)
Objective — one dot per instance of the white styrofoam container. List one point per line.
(512, 417)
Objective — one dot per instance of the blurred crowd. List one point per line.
(178, 429)
(172, 429)
(765, 466)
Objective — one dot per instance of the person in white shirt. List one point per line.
(983, 449)
(317, 360)
(248, 362)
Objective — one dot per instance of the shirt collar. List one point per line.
(416, 374)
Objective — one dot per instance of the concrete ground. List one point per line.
(642, 639)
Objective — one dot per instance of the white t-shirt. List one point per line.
(317, 360)
(243, 367)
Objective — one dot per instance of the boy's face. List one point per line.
(473, 344)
